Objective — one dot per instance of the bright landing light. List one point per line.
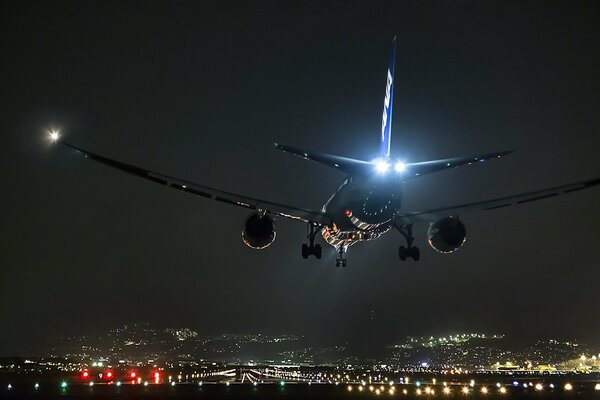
(381, 166)
(54, 136)
(400, 166)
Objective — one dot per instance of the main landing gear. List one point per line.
(341, 261)
(409, 251)
(312, 249)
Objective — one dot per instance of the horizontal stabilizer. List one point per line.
(427, 167)
(351, 166)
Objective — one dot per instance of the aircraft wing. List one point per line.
(435, 214)
(299, 214)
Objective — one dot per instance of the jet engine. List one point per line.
(258, 231)
(447, 234)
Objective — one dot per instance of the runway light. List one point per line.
(360, 388)
(539, 386)
(145, 383)
(254, 383)
(484, 390)
(282, 383)
(36, 386)
(92, 383)
(118, 384)
(54, 136)
(465, 390)
(404, 391)
(400, 167)
(446, 390)
(349, 388)
(503, 390)
(9, 386)
(597, 387)
(381, 165)
(63, 384)
(173, 383)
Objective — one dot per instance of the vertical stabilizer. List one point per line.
(386, 123)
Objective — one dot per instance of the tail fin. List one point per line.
(386, 123)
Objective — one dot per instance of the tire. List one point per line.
(318, 251)
(402, 253)
(304, 251)
(415, 253)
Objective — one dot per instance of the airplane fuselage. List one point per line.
(361, 209)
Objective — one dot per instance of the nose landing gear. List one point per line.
(312, 249)
(341, 261)
(409, 251)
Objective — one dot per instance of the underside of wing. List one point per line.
(435, 214)
(300, 214)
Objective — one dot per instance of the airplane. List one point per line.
(365, 206)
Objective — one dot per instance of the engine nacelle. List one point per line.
(258, 231)
(447, 234)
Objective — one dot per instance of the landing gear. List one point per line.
(409, 251)
(312, 249)
(341, 261)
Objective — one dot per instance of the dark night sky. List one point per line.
(200, 90)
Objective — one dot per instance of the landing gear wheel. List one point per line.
(311, 249)
(340, 261)
(409, 251)
(305, 251)
(415, 253)
(402, 253)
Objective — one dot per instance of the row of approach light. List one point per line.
(446, 390)
(382, 166)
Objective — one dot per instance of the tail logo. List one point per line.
(386, 104)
